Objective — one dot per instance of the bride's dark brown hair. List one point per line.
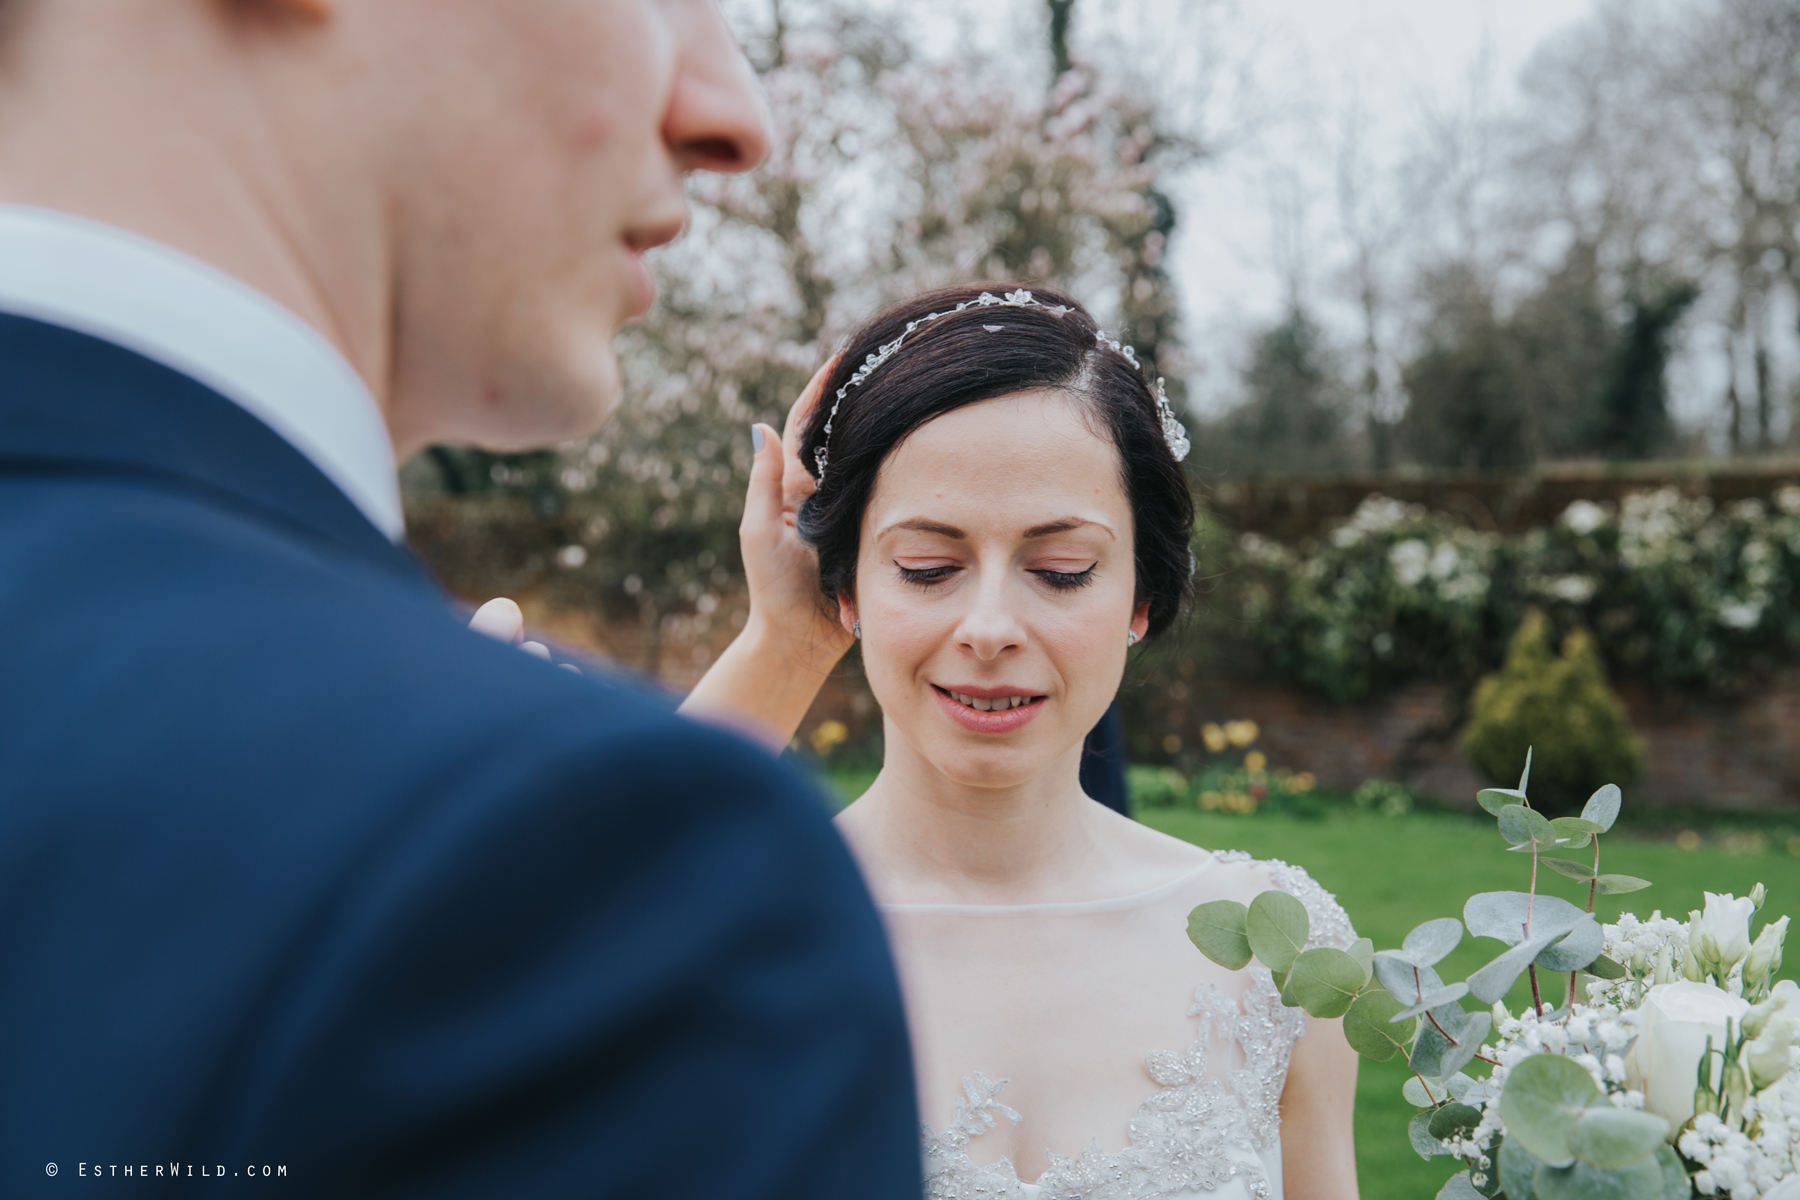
(962, 359)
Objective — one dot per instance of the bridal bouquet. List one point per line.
(1670, 1069)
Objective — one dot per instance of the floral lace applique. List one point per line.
(1180, 1135)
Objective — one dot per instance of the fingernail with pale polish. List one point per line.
(756, 437)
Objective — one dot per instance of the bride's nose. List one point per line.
(990, 626)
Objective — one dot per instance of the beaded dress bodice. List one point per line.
(1210, 1124)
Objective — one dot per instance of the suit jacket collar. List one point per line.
(188, 315)
(71, 403)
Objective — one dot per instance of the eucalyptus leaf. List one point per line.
(1460, 1085)
(1615, 1137)
(1572, 833)
(1280, 978)
(1469, 1039)
(1501, 915)
(1459, 1187)
(1448, 994)
(1582, 1182)
(1523, 826)
(1525, 775)
(1574, 870)
(1370, 1029)
(1421, 1093)
(1493, 981)
(1419, 1133)
(1676, 1184)
(1605, 968)
(1404, 979)
(1575, 951)
(1363, 951)
(1602, 807)
(1277, 927)
(1218, 929)
(1429, 943)
(1324, 981)
(1453, 1120)
(1429, 1048)
(1618, 885)
(1517, 1168)
(1495, 799)
(1544, 1095)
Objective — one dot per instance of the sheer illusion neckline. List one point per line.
(1074, 908)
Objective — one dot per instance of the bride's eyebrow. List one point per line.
(1063, 526)
(922, 525)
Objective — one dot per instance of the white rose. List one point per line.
(1677, 1018)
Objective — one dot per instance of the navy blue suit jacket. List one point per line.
(298, 874)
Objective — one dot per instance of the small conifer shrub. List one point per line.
(1558, 706)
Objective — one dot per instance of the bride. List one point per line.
(998, 514)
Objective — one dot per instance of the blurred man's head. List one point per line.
(457, 192)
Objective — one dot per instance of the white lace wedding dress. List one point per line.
(1094, 1041)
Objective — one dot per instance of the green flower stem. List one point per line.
(1537, 1001)
(1594, 883)
(1593, 886)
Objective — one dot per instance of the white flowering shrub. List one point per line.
(1677, 591)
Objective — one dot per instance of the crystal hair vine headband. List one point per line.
(1173, 431)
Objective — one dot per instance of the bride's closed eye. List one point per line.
(1067, 581)
(925, 576)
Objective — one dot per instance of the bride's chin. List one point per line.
(995, 769)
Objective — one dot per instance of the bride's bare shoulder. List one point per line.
(1231, 876)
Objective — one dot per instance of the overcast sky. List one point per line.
(1395, 63)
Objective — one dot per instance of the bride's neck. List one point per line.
(925, 838)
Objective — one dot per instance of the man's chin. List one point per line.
(575, 406)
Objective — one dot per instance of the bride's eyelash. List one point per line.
(1068, 581)
(1062, 581)
(923, 576)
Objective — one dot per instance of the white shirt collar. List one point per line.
(194, 318)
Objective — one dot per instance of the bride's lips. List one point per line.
(999, 721)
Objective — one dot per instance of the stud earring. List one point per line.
(1131, 637)
(856, 629)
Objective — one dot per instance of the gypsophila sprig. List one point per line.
(1672, 1072)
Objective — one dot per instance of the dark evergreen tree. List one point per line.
(1465, 405)
(1297, 417)
(1632, 420)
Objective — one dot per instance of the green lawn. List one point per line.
(1392, 874)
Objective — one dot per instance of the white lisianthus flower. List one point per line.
(1677, 1020)
(1765, 955)
(1721, 933)
(1766, 1055)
